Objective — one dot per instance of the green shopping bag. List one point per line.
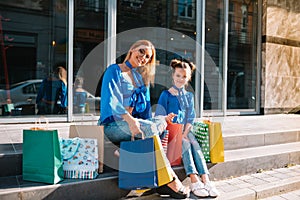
(42, 161)
(201, 132)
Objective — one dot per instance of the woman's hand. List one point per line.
(134, 127)
(134, 124)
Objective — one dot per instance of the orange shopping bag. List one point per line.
(174, 143)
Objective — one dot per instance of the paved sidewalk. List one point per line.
(274, 184)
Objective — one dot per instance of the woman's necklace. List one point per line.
(127, 63)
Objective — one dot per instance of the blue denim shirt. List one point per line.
(182, 105)
(116, 94)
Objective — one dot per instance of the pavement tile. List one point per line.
(261, 175)
(272, 179)
(274, 198)
(246, 177)
(236, 182)
(290, 196)
(256, 181)
(245, 185)
(229, 188)
(282, 176)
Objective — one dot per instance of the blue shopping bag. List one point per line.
(137, 166)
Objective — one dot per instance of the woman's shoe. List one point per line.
(166, 190)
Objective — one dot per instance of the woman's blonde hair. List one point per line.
(148, 71)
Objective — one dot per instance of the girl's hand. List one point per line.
(185, 137)
(170, 117)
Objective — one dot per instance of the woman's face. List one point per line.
(180, 77)
(140, 56)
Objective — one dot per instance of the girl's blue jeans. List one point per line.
(192, 156)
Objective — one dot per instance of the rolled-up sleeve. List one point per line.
(191, 114)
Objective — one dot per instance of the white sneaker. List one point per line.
(212, 190)
(199, 190)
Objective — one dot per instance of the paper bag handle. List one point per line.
(142, 133)
(38, 122)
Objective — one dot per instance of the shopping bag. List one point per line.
(137, 166)
(163, 168)
(90, 131)
(216, 142)
(164, 137)
(80, 157)
(201, 132)
(42, 160)
(174, 143)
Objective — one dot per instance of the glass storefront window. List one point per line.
(214, 47)
(169, 25)
(89, 58)
(242, 47)
(33, 41)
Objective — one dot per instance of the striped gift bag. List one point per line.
(80, 157)
(164, 137)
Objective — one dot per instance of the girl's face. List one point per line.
(140, 56)
(181, 77)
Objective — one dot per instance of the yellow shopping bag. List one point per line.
(163, 167)
(216, 142)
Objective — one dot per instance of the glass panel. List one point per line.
(169, 25)
(33, 43)
(213, 64)
(89, 57)
(241, 85)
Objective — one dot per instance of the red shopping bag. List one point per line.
(174, 143)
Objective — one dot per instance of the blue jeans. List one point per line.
(118, 131)
(192, 156)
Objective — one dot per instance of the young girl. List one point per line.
(181, 102)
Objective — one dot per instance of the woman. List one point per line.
(181, 102)
(125, 104)
(52, 95)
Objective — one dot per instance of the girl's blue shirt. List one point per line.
(116, 93)
(181, 105)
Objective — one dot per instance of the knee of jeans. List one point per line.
(185, 144)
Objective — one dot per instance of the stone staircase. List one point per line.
(252, 144)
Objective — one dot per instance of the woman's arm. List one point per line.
(133, 123)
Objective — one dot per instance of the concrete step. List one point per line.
(11, 154)
(238, 163)
(248, 140)
(251, 160)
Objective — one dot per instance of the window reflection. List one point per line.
(241, 85)
(33, 40)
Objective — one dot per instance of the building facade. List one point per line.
(246, 51)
